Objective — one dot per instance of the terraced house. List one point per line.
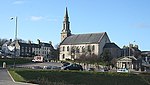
(31, 49)
(72, 46)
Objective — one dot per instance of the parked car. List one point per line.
(37, 67)
(72, 67)
(91, 69)
(56, 67)
(64, 63)
(52, 67)
(122, 70)
(47, 67)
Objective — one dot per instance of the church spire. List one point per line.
(66, 15)
(66, 26)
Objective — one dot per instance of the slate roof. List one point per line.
(111, 45)
(83, 38)
(32, 44)
(131, 57)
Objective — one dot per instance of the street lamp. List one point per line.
(16, 26)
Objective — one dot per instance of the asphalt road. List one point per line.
(5, 79)
(30, 65)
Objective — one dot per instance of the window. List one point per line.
(63, 48)
(77, 50)
(63, 56)
(68, 48)
(89, 48)
(93, 48)
(83, 50)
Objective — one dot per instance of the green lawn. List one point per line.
(43, 77)
(10, 61)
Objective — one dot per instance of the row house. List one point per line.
(31, 49)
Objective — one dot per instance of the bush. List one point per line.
(10, 61)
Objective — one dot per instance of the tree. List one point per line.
(55, 52)
(2, 41)
(106, 56)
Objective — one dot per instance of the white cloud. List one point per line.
(18, 2)
(45, 18)
(36, 18)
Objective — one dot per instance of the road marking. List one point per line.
(11, 76)
(18, 82)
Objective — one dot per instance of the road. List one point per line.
(41, 64)
(5, 79)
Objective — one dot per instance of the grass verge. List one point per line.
(44, 77)
(16, 76)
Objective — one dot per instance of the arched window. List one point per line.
(63, 56)
(77, 50)
(83, 49)
(68, 48)
(89, 48)
(63, 48)
(93, 48)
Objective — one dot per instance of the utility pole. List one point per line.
(129, 48)
(16, 28)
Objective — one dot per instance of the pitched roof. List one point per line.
(125, 57)
(33, 44)
(83, 38)
(111, 45)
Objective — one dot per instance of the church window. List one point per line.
(83, 50)
(68, 48)
(77, 50)
(63, 48)
(93, 48)
(63, 56)
(72, 50)
(89, 48)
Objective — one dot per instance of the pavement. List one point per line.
(6, 79)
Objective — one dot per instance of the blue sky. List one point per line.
(125, 21)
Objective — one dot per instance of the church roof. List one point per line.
(111, 45)
(83, 38)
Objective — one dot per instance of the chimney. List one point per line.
(38, 41)
(130, 45)
(50, 42)
(29, 41)
(10, 40)
(136, 46)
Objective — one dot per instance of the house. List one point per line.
(5, 49)
(72, 46)
(131, 50)
(144, 63)
(145, 53)
(30, 49)
(113, 50)
(42, 48)
(127, 62)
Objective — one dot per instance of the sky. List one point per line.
(125, 21)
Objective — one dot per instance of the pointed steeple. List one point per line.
(66, 26)
(66, 15)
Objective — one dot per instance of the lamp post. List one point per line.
(16, 28)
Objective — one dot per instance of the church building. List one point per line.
(72, 46)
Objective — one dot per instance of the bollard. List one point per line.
(4, 64)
